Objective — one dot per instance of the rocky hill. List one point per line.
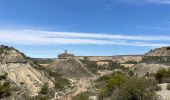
(71, 68)
(144, 69)
(153, 61)
(19, 70)
(164, 51)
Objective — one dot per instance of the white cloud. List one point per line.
(36, 37)
(159, 1)
(146, 1)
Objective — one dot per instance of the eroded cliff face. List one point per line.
(153, 61)
(20, 71)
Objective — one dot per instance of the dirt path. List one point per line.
(164, 94)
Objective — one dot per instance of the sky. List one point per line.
(45, 28)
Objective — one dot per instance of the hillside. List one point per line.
(164, 51)
(19, 70)
(153, 61)
(71, 68)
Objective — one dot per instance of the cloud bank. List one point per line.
(37, 37)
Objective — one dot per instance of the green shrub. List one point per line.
(121, 88)
(44, 89)
(103, 93)
(162, 74)
(136, 89)
(81, 96)
(109, 83)
(5, 89)
(158, 88)
(59, 81)
(115, 81)
(90, 65)
(131, 62)
(168, 48)
(114, 65)
(2, 77)
(168, 87)
(38, 97)
(131, 73)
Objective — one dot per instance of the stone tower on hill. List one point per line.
(65, 55)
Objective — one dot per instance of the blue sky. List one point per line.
(45, 28)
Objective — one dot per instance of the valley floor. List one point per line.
(80, 85)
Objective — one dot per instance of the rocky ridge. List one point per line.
(20, 71)
(164, 51)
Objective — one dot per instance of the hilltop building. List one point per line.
(65, 55)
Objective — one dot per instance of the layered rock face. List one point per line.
(71, 68)
(11, 55)
(153, 61)
(20, 71)
(158, 55)
(164, 51)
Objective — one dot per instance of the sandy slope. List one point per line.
(24, 75)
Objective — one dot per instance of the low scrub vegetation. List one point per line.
(163, 75)
(93, 67)
(118, 86)
(115, 65)
(90, 65)
(158, 88)
(5, 89)
(131, 62)
(81, 96)
(2, 77)
(168, 87)
(59, 81)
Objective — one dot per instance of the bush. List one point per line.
(136, 89)
(131, 62)
(81, 96)
(110, 83)
(115, 81)
(162, 74)
(59, 81)
(158, 88)
(168, 48)
(168, 87)
(131, 73)
(91, 65)
(5, 89)
(121, 88)
(2, 77)
(44, 89)
(114, 65)
(103, 93)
